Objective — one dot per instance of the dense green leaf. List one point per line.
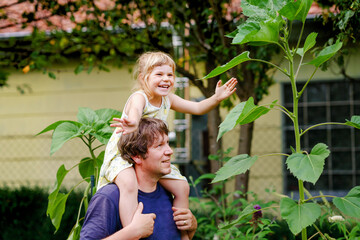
(309, 43)
(230, 120)
(298, 216)
(100, 159)
(210, 176)
(308, 167)
(326, 54)
(243, 30)
(303, 10)
(55, 124)
(354, 122)
(79, 69)
(243, 57)
(259, 10)
(56, 204)
(268, 32)
(235, 166)
(87, 116)
(64, 132)
(243, 113)
(296, 10)
(350, 204)
(75, 232)
(87, 168)
(249, 209)
(251, 112)
(107, 114)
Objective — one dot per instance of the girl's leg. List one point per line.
(127, 183)
(180, 189)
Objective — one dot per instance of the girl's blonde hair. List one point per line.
(144, 66)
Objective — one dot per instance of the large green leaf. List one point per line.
(246, 29)
(236, 165)
(249, 209)
(296, 10)
(243, 57)
(309, 43)
(268, 32)
(57, 201)
(350, 204)
(87, 168)
(87, 116)
(230, 120)
(75, 232)
(298, 216)
(262, 9)
(354, 122)
(100, 159)
(303, 11)
(55, 125)
(107, 114)
(326, 54)
(64, 132)
(102, 131)
(243, 113)
(308, 167)
(251, 112)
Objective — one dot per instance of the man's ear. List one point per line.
(137, 159)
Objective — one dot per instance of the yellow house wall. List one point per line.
(25, 158)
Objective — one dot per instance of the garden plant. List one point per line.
(271, 22)
(91, 125)
(214, 206)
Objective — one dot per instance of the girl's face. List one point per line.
(161, 80)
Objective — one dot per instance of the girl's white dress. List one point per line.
(113, 163)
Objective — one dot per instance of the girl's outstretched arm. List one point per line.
(133, 110)
(198, 108)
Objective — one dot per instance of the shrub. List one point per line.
(23, 214)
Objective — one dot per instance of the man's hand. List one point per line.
(124, 125)
(143, 223)
(225, 91)
(185, 220)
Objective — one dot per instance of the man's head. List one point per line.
(137, 143)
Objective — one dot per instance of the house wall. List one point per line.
(25, 157)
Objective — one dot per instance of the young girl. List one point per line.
(155, 77)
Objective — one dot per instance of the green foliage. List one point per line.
(270, 22)
(91, 125)
(308, 167)
(350, 204)
(221, 216)
(298, 216)
(22, 214)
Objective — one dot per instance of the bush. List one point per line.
(23, 214)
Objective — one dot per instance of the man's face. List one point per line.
(158, 157)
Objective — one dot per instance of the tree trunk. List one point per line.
(246, 135)
(213, 124)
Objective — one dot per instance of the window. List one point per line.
(322, 102)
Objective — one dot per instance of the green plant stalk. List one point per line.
(91, 139)
(296, 127)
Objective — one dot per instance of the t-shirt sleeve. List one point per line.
(101, 219)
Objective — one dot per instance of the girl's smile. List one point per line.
(161, 81)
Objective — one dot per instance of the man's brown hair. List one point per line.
(138, 142)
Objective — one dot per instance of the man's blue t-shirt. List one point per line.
(102, 217)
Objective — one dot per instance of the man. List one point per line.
(148, 148)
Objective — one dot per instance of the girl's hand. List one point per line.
(125, 125)
(225, 91)
(184, 219)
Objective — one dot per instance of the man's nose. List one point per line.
(168, 150)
